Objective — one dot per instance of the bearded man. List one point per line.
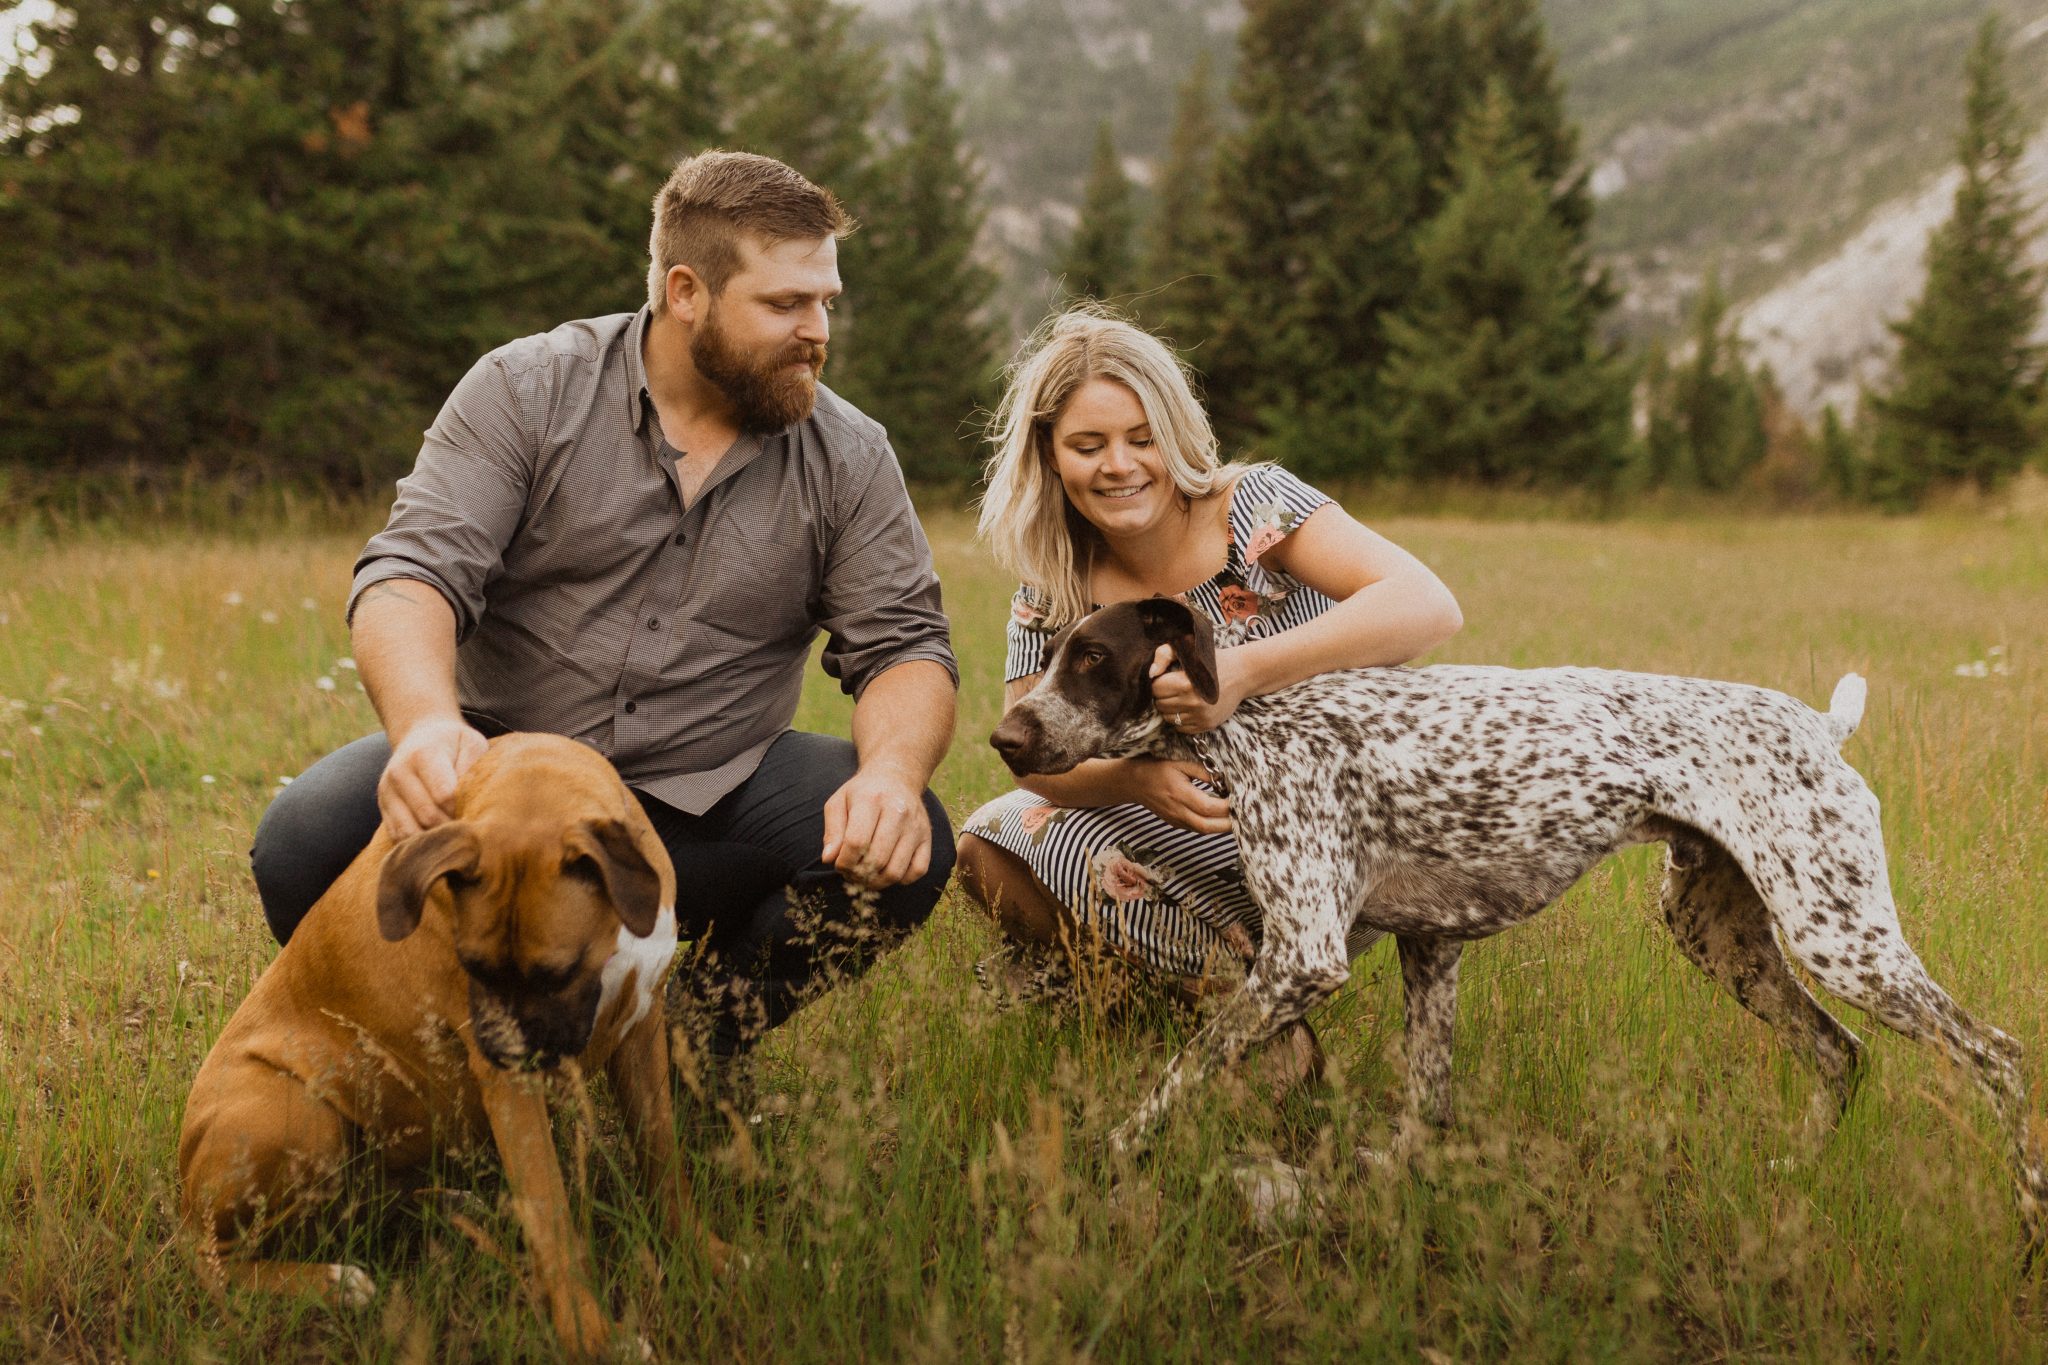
(628, 531)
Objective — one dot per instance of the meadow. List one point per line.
(924, 1182)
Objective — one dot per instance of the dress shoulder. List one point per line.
(1268, 505)
(1026, 633)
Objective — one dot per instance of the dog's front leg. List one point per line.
(1429, 987)
(639, 1074)
(526, 1144)
(1284, 984)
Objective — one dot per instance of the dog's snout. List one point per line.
(1013, 738)
(519, 1031)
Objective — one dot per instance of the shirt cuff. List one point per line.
(938, 654)
(383, 570)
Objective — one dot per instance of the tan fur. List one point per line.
(351, 1043)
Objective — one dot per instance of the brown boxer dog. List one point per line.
(415, 1008)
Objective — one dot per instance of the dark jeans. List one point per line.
(773, 922)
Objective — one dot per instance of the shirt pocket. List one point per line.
(761, 588)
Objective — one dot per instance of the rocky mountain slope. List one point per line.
(1799, 147)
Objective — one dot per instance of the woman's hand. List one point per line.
(1166, 787)
(1175, 696)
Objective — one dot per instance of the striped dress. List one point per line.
(1170, 898)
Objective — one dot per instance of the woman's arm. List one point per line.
(1389, 608)
(1164, 787)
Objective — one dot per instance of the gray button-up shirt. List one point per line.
(589, 602)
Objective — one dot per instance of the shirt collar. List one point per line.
(637, 401)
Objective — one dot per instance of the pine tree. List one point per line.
(1495, 374)
(919, 349)
(1841, 463)
(1182, 238)
(809, 91)
(1706, 420)
(1505, 41)
(1315, 192)
(1099, 259)
(591, 125)
(238, 237)
(1962, 403)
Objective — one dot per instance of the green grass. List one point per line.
(932, 1188)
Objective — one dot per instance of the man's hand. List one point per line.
(876, 830)
(1166, 787)
(417, 790)
(1175, 696)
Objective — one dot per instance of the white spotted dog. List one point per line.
(1445, 804)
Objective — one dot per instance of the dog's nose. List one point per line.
(1011, 739)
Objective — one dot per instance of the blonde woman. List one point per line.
(1105, 486)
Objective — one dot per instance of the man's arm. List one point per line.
(403, 635)
(876, 828)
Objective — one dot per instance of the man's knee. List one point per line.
(313, 830)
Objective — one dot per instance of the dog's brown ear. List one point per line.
(631, 876)
(412, 868)
(1169, 622)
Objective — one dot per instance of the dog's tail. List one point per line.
(1845, 708)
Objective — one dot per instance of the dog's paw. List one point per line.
(350, 1286)
(1277, 1196)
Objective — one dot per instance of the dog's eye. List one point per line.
(584, 868)
(1093, 656)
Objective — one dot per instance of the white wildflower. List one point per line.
(284, 781)
(1977, 669)
(309, 604)
(206, 778)
(233, 599)
(324, 683)
(349, 664)
(269, 618)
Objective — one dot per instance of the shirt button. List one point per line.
(679, 537)
(631, 707)
(654, 623)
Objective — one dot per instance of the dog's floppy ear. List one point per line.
(414, 866)
(1168, 622)
(1052, 646)
(631, 876)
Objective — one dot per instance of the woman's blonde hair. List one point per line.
(1026, 520)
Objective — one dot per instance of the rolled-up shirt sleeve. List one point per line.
(458, 509)
(879, 598)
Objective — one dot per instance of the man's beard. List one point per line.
(766, 396)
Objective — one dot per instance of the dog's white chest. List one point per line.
(636, 965)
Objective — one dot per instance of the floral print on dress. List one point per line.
(1271, 522)
(1122, 877)
(1247, 613)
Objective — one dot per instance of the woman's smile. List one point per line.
(1106, 458)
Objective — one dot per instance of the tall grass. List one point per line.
(925, 1181)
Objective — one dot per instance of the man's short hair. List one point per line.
(714, 198)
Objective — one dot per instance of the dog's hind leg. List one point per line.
(260, 1151)
(1724, 927)
(1888, 981)
(1835, 910)
(1429, 989)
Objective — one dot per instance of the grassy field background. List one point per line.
(926, 1184)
